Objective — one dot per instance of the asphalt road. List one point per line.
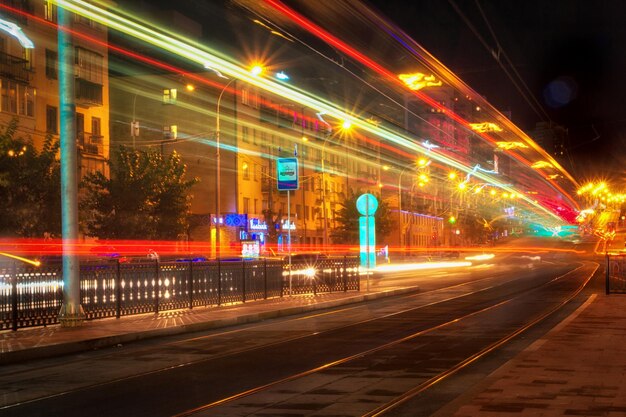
(345, 361)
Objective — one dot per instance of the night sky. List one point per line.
(569, 53)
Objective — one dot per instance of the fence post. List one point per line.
(190, 284)
(265, 278)
(157, 287)
(118, 290)
(219, 282)
(345, 275)
(608, 266)
(243, 280)
(14, 297)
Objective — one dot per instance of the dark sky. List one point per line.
(570, 54)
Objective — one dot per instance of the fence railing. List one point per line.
(616, 273)
(32, 296)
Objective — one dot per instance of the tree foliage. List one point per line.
(30, 186)
(147, 197)
(347, 221)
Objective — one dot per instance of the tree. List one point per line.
(347, 220)
(147, 197)
(30, 185)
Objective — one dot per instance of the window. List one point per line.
(245, 99)
(8, 95)
(244, 134)
(50, 11)
(256, 205)
(170, 132)
(255, 172)
(254, 134)
(27, 55)
(27, 102)
(52, 62)
(298, 211)
(264, 205)
(246, 171)
(51, 120)
(89, 66)
(169, 96)
(246, 205)
(307, 212)
(80, 127)
(96, 127)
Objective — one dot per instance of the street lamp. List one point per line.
(218, 210)
(400, 202)
(256, 70)
(346, 125)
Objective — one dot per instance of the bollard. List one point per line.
(118, 290)
(243, 280)
(190, 284)
(219, 282)
(156, 287)
(265, 279)
(608, 266)
(14, 297)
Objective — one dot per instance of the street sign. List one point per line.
(287, 169)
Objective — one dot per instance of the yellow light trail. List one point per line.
(19, 258)
(210, 60)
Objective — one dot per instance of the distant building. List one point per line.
(551, 137)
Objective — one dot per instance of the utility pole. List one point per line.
(71, 313)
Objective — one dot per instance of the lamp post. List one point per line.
(218, 171)
(400, 204)
(344, 127)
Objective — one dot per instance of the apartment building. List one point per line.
(29, 89)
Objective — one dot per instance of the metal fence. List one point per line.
(616, 274)
(32, 296)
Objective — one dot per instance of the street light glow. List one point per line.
(256, 70)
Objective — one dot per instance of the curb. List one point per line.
(67, 348)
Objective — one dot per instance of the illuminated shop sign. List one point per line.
(287, 225)
(256, 224)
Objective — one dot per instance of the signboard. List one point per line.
(287, 170)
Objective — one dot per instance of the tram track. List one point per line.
(382, 409)
(495, 277)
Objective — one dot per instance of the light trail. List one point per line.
(205, 58)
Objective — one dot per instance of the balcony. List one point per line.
(88, 94)
(14, 68)
(90, 144)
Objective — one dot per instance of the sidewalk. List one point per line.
(43, 342)
(576, 369)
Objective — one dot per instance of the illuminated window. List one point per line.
(245, 97)
(28, 102)
(170, 132)
(27, 55)
(246, 171)
(169, 96)
(50, 11)
(8, 95)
